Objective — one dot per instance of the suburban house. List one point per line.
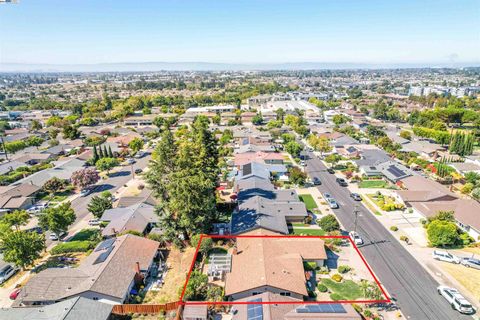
(63, 169)
(35, 158)
(272, 264)
(424, 148)
(391, 170)
(9, 166)
(257, 169)
(254, 148)
(465, 167)
(108, 274)
(139, 217)
(71, 309)
(290, 309)
(136, 121)
(427, 198)
(260, 156)
(17, 197)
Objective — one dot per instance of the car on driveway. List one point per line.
(445, 256)
(85, 192)
(355, 196)
(36, 209)
(471, 263)
(456, 300)
(332, 203)
(355, 238)
(53, 236)
(342, 182)
(93, 222)
(316, 181)
(330, 170)
(14, 294)
(7, 272)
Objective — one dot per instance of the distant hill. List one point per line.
(211, 66)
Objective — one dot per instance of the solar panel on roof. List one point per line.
(395, 171)
(247, 169)
(104, 255)
(255, 311)
(105, 244)
(322, 308)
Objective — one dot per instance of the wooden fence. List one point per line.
(144, 308)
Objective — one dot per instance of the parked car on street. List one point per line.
(38, 208)
(37, 229)
(445, 256)
(327, 195)
(138, 171)
(93, 222)
(131, 161)
(85, 192)
(356, 196)
(7, 272)
(342, 182)
(139, 154)
(471, 263)
(332, 203)
(330, 170)
(355, 237)
(316, 181)
(53, 236)
(456, 300)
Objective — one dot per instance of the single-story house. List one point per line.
(6, 167)
(265, 157)
(71, 309)
(17, 197)
(107, 275)
(290, 309)
(254, 148)
(464, 167)
(139, 217)
(424, 148)
(271, 264)
(34, 158)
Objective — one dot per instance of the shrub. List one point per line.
(394, 228)
(309, 265)
(324, 270)
(329, 223)
(322, 288)
(344, 269)
(442, 233)
(308, 219)
(72, 246)
(404, 238)
(337, 277)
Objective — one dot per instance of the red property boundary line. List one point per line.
(202, 236)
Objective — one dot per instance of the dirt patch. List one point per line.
(178, 266)
(468, 277)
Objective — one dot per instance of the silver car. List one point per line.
(7, 272)
(471, 263)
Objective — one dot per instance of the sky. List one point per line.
(240, 31)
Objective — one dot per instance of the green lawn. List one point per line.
(346, 290)
(372, 184)
(86, 234)
(309, 201)
(308, 231)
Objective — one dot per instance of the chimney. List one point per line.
(137, 267)
(114, 231)
(235, 251)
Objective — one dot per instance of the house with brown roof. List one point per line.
(17, 197)
(428, 198)
(107, 275)
(259, 156)
(290, 309)
(272, 264)
(139, 217)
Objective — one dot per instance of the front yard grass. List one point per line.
(309, 201)
(468, 277)
(308, 231)
(372, 184)
(346, 290)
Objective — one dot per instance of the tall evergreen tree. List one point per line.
(110, 153)
(105, 152)
(100, 152)
(95, 154)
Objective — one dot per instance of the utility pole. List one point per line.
(4, 149)
(355, 212)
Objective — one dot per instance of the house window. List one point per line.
(286, 294)
(254, 293)
(95, 298)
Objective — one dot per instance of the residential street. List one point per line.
(404, 278)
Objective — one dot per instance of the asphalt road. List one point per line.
(404, 278)
(111, 184)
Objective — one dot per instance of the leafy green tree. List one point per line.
(99, 204)
(135, 145)
(22, 248)
(294, 148)
(57, 219)
(14, 146)
(476, 193)
(205, 245)
(329, 223)
(16, 219)
(297, 176)
(339, 119)
(321, 144)
(35, 125)
(442, 233)
(406, 134)
(257, 119)
(70, 132)
(106, 164)
(197, 286)
(53, 185)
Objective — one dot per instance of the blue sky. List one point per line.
(240, 31)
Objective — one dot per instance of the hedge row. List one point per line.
(73, 246)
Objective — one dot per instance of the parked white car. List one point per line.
(332, 203)
(6, 272)
(356, 238)
(37, 208)
(94, 222)
(445, 256)
(53, 236)
(456, 300)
